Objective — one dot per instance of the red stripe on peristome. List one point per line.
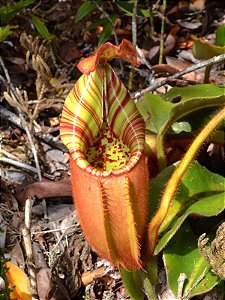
(114, 86)
(86, 136)
(85, 79)
(98, 74)
(68, 116)
(86, 105)
(123, 104)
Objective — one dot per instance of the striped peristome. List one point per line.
(96, 98)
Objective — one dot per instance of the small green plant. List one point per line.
(7, 13)
(107, 21)
(5, 31)
(41, 28)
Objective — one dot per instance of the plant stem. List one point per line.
(207, 73)
(152, 269)
(151, 21)
(134, 41)
(148, 288)
(175, 179)
(133, 283)
(161, 49)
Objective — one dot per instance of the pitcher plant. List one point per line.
(105, 135)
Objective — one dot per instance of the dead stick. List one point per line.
(43, 137)
(28, 247)
(209, 62)
(18, 164)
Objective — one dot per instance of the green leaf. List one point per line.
(107, 30)
(198, 94)
(200, 192)
(128, 6)
(194, 99)
(41, 28)
(133, 283)
(96, 23)
(158, 111)
(182, 256)
(164, 114)
(220, 36)
(85, 9)
(146, 13)
(6, 31)
(178, 127)
(157, 108)
(9, 11)
(204, 50)
(199, 91)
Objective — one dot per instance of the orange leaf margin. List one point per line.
(106, 53)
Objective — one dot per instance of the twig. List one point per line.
(18, 164)
(143, 59)
(161, 48)
(54, 230)
(28, 248)
(11, 87)
(46, 138)
(52, 141)
(16, 96)
(8, 154)
(5, 70)
(134, 41)
(11, 117)
(134, 24)
(145, 62)
(34, 152)
(211, 61)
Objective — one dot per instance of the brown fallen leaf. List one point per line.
(88, 277)
(164, 69)
(6, 195)
(69, 51)
(44, 189)
(181, 65)
(43, 273)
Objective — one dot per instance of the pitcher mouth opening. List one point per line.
(107, 154)
(101, 126)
